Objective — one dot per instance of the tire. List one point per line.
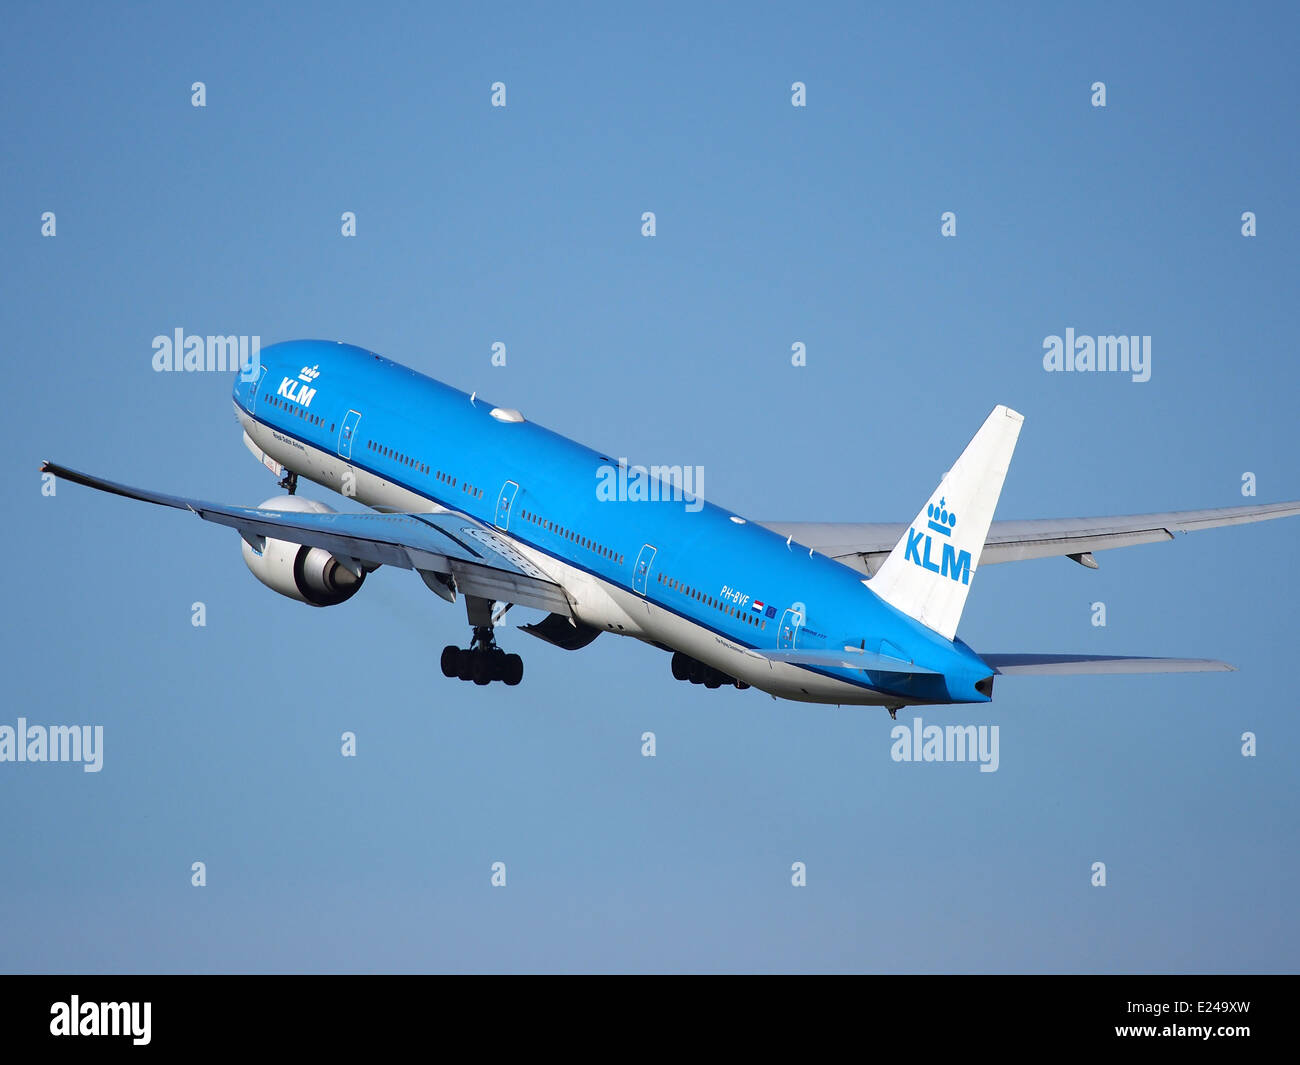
(513, 671)
(450, 661)
(681, 666)
(465, 665)
(482, 669)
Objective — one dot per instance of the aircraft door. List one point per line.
(641, 573)
(348, 433)
(505, 501)
(257, 390)
(788, 634)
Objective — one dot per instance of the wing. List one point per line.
(1061, 665)
(865, 547)
(481, 562)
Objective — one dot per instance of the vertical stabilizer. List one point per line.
(928, 574)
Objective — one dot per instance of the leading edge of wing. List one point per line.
(481, 561)
(1076, 665)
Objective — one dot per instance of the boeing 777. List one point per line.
(487, 506)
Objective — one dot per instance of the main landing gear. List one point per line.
(289, 482)
(687, 668)
(483, 662)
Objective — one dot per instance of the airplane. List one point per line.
(487, 506)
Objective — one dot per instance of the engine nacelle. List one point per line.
(309, 574)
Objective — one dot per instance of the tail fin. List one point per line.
(928, 574)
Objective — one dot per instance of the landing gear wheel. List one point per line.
(513, 670)
(450, 661)
(687, 668)
(483, 662)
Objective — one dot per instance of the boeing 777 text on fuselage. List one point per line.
(489, 507)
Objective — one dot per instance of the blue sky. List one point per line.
(775, 225)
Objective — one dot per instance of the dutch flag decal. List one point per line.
(757, 606)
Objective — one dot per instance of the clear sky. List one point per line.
(776, 225)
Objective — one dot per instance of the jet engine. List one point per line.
(309, 574)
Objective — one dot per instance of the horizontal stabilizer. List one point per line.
(1063, 665)
(849, 658)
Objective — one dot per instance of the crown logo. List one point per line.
(309, 373)
(941, 519)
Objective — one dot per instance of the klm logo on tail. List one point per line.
(927, 575)
(920, 545)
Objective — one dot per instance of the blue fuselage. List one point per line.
(322, 409)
